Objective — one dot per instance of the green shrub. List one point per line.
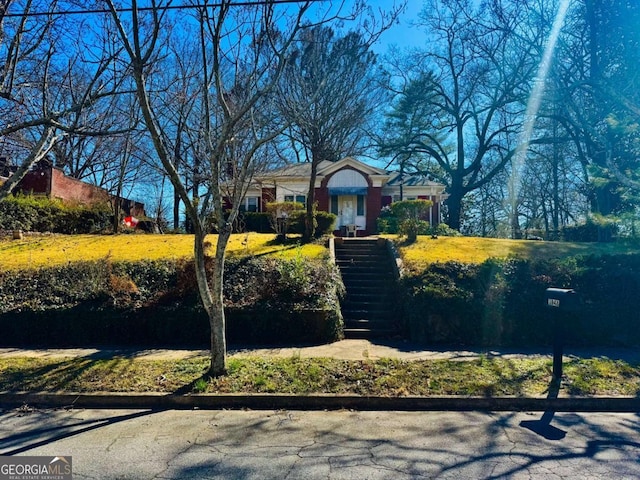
(256, 222)
(16, 216)
(410, 215)
(443, 230)
(40, 214)
(281, 214)
(387, 222)
(326, 223)
(408, 218)
(501, 302)
(260, 222)
(593, 230)
(156, 303)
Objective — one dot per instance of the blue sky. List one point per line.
(403, 34)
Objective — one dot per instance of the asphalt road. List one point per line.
(128, 444)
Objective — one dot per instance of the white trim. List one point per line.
(355, 164)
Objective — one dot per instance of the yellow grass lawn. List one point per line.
(44, 250)
(476, 250)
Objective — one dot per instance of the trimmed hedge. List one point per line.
(259, 222)
(591, 231)
(40, 214)
(156, 303)
(501, 302)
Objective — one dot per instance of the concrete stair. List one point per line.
(367, 272)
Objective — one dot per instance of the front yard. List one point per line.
(476, 250)
(486, 377)
(36, 251)
(386, 377)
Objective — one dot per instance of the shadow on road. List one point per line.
(543, 426)
(45, 434)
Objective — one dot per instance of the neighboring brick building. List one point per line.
(43, 179)
(354, 191)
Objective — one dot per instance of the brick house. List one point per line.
(44, 179)
(354, 191)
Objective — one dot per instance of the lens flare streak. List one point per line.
(535, 100)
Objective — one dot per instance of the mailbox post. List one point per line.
(560, 302)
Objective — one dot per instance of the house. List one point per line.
(354, 191)
(44, 179)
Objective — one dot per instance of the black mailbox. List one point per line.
(561, 303)
(562, 299)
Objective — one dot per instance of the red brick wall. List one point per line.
(434, 209)
(36, 181)
(268, 195)
(374, 204)
(322, 197)
(72, 190)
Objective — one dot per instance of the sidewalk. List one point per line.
(346, 350)
(342, 350)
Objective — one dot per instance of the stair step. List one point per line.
(366, 269)
(364, 333)
(382, 277)
(371, 307)
(358, 243)
(365, 272)
(360, 259)
(363, 263)
(357, 315)
(364, 322)
(375, 286)
(366, 298)
(363, 280)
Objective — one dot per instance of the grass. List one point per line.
(40, 250)
(476, 250)
(385, 377)
(46, 250)
(483, 377)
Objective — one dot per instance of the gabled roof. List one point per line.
(294, 170)
(411, 180)
(330, 167)
(303, 170)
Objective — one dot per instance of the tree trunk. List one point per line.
(212, 297)
(309, 220)
(454, 205)
(38, 152)
(176, 211)
(116, 211)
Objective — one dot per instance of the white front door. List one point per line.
(347, 209)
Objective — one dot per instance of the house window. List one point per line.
(396, 198)
(296, 198)
(360, 205)
(250, 204)
(334, 204)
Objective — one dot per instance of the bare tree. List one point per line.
(244, 50)
(465, 96)
(599, 103)
(51, 77)
(329, 91)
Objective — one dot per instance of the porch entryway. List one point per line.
(351, 213)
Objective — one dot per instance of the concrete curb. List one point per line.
(161, 401)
